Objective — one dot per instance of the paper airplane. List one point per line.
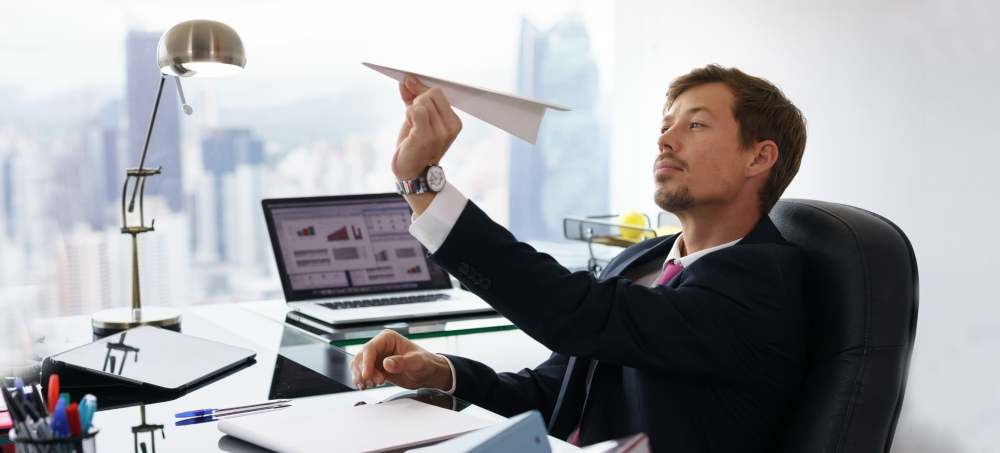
(518, 115)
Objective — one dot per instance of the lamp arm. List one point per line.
(149, 134)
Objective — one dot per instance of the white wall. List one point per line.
(903, 107)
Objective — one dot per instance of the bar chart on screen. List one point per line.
(336, 243)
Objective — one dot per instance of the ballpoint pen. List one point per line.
(19, 385)
(203, 412)
(232, 414)
(36, 399)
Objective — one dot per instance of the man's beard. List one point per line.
(672, 201)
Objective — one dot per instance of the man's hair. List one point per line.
(763, 113)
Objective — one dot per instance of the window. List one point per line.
(304, 119)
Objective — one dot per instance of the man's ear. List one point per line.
(765, 154)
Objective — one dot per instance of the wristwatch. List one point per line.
(431, 181)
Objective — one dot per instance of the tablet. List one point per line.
(149, 356)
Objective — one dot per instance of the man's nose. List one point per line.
(665, 143)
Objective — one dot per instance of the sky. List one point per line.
(295, 49)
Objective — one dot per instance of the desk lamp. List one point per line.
(196, 48)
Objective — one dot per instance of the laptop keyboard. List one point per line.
(386, 301)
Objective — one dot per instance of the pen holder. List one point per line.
(84, 443)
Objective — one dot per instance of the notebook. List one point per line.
(369, 428)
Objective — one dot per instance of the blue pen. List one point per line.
(213, 418)
(88, 405)
(203, 412)
(19, 385)
(60, 425)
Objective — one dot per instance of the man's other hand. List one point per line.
(429, 129)
(392, 357)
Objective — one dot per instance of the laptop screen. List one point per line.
(351, 245)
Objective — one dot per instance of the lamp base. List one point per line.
(114, 320)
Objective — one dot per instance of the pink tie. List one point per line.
(669, 273)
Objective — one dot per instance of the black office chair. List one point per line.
(861, 292)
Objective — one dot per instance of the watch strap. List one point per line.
(413, 186)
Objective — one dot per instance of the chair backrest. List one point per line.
(861, 292)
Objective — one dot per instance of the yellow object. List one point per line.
(634, 218)
(667, 230)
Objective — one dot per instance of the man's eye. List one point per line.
(664, 129)
(696, 125)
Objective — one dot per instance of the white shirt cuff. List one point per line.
(433, 226)
(454, 377)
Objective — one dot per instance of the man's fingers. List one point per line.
(414, 86)
(440, 133)
(420, 123)
(413, 363)
(410, 89)
(356, 371)
(448, 116)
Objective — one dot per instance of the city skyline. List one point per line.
(63, 249)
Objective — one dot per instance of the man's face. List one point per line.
(700, 161)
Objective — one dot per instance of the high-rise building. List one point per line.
(111, 148)
(230, 225)
(165, 143)
(84, 271)
(566, 171)
(98, 170)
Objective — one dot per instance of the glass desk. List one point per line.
(290, 363)
(358, 334)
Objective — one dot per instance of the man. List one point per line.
(696, 339)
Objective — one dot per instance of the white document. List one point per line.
(363, 429)
(518, 115)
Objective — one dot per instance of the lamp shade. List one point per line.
(203, 48)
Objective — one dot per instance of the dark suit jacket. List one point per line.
(712, 361)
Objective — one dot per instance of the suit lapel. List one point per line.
(656, 247)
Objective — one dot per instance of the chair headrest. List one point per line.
(860, 288)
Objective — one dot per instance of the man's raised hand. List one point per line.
(430, 127)
(391, 357)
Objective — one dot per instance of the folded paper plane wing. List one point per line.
(518, 115)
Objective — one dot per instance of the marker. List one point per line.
(53, 392)
(60, 425)
(88, 405)
(73, 417)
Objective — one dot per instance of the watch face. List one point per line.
(435, 178)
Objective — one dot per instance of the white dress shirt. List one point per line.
(434, 225)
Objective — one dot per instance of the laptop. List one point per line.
(351, 259)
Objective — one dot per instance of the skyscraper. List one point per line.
(566, 171)
(165, 143)
(230, 223)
